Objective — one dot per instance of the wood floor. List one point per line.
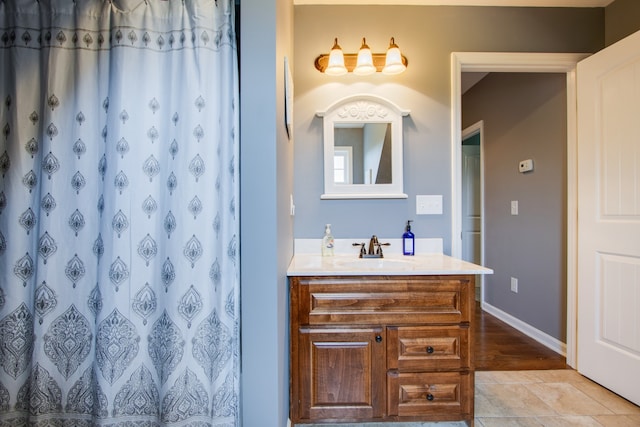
(499, 347)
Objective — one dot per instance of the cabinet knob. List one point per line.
(429, 396)
(429, 349)
(378, 338)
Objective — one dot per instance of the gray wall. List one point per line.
(266, 226)
(427, 35)
(622, 18)
(525, 117)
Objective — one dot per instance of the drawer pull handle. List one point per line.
(378, 338)
(429, 397)
(429, 349)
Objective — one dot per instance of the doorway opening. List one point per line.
(472, 200)
(533, 63)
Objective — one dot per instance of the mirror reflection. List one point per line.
(362, 153)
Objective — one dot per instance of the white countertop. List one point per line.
(391, 264)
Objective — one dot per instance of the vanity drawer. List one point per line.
(384, 299)
(428, 347)
(420, 394)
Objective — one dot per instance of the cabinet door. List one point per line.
(341, 373)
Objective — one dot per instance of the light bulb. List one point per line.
(336, 67)
(393, 62)
(364, 65)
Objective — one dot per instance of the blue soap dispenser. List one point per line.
(408, 240)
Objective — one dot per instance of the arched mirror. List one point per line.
(363, 149)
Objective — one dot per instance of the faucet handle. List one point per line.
(363, 251)
(380, 245)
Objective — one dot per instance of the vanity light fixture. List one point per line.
(364, 62)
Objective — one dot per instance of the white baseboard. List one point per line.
(536, 334)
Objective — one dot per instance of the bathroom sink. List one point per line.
(353, 264)
(371, 263)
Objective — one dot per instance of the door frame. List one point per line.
(476, 129)
(522, 62)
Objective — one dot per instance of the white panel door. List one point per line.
(472, 244)
(609, 217)
(471, 213)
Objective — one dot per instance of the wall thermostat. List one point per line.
(525, 166)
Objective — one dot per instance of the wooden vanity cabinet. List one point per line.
(381, 348)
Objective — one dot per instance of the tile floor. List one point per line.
(555, 398)
(550, 399)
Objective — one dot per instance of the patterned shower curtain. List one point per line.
(119, 275)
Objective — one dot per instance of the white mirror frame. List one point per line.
(364, 108)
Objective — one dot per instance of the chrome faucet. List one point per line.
(375, 248)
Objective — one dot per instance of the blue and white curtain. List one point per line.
(119, 275)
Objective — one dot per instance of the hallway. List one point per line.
(499, 347)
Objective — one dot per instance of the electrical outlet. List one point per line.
(514, 285)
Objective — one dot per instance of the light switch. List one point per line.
(429, 205)
(514, 207)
